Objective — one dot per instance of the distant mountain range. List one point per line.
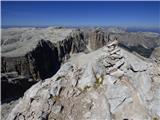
(128, 29)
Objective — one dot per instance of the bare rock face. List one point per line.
(97, 39)
(31, 56)
(115, 84)
(142, 43)
(7, 108)
(107, 83)
(36, 53)
(156, 55)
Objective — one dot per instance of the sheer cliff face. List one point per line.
(38, 53)
(97, 39)
(39, 57)
(114, 84)
(156, 55)
(142, 43)
(34, 55)
(106, 83)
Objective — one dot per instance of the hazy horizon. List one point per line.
(128, 29)
(143, 14)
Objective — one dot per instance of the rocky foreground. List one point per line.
(100, 75)
(114, 84)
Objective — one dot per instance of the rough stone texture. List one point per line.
(109, 83)
(35, 54)
(6, 108)
(38, 53)
(97, 39)
(141, 42)
(156, 55)
(57, 44)
(127, 90)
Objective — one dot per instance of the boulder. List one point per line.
(124, 94)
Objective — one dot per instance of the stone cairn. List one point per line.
(113, 60)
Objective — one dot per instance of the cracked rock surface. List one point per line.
(108, 84)
(34, 54)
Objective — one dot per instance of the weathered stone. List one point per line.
(114, 43)
(88, 78)
(114, 51)
(117, 73)
(81, 89)
(36, 56)
(97, 39)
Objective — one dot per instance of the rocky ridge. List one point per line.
(142, 43)
(115, 84)
(30, 55)
(36, 49)
(156, 55)
(35, 54)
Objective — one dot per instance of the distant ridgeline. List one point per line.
(156, 30)
(138, 49)
(128, 29)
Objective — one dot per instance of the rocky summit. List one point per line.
(70, 74)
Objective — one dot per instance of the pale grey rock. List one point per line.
(108, 79)
(7, 108)
(85, 91)
(119, 63)
(88, 77)
(39, 52)
(28, 39)
(114, 51)
(118, 73)
(156, 55)
(36, 54)
(97, 39)
(114, 43)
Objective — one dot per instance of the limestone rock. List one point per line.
(36, 53)
(156, 55)
(117, 73)
(97, 39)
(75, 92)
(110, 83)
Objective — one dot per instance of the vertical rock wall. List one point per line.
(97, 39)
(45, 60)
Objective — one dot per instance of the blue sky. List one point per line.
(131, 14)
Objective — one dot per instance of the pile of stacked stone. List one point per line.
(113, 60)
(115, 85)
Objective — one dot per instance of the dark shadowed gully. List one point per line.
(35, 58)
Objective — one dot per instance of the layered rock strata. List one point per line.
(142, 43)
(114, 85)
(111, 75)
(36, 54)
(40, 54)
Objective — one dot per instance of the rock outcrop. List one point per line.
(142, 43)
(18, 45)
(97, 39)
(108, 83)
(156, 55)
(115, 84)
(36, 54)
(33, 53)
